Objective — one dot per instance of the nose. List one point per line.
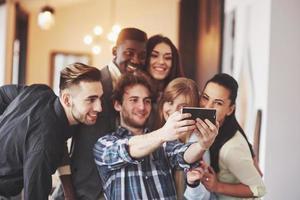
(141, 105)
(161, 60)
(208, 104)
(135, 59)
(98, 106)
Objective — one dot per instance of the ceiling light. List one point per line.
(46, 18)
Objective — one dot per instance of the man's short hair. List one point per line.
(74, 73)
(131, 34)
(131, 79)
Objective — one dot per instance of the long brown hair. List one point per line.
(176, 68)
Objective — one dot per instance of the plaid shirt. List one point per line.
(124, 177)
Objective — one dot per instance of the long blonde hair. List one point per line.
(178, 86)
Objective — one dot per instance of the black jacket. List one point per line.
(33, 130)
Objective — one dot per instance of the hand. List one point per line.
(210, 181)
(194, 175)
(206, 132)
(176, 126)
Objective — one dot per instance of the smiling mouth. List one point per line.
(159, 69)
(132, 67)
(92, 117)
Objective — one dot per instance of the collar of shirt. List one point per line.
(115, 72)
(61, 115)
(123, 132)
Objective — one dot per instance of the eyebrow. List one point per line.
(222, 100)
(92, 97)
(168, 53)
(139, 97)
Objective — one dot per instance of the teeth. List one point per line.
(159, 69)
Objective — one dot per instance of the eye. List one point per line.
(170, 103)
(91, 100)
(204, 98)
(168, 57)
(133, 100)
(154, 55)
(129, 53)
(218, 103)
(147, 101)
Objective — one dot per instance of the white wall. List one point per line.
(271, 29)
(282, 142)
(74, 22)
(3, 21)
(252, 35)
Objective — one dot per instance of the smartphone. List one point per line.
(202, 113)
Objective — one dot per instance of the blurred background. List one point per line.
(256, 41)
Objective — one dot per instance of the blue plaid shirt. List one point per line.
(124, 177)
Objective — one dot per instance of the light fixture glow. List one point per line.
(88, 39)
(96, 49)
(116, 28)
(98, 30)
(46, 18)
(112, 36)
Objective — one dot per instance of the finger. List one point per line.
(204, 165)
(211, 170)
(176, 115)
(203, 124)
(210, 125)
(198, 170)
(185, 129)
(185, 115)
(212, 128)
(186, 122)
(195, 175)
(202, 131)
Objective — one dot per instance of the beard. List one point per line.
(129, 121)
(81, 118)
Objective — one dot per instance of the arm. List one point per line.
(206, 133)
(37, 176)
(113, 152)
(194, 189)
(7, 94)
(237, 190)
(237, 158)
(64, 172)
(175, 127)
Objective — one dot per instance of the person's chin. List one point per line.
(140, 122)
(91, 121)
(160, 77)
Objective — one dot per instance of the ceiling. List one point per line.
(32, 5)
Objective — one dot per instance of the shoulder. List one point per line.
(236, 145)
(105, 73)
(109, 139)
(39, 87)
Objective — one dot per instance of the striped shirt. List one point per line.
(124, 177)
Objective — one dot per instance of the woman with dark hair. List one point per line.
(162, 62)
(233, 174)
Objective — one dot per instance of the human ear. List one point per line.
(114, 51)
(117, 106)
(66, 99)
(231, 109)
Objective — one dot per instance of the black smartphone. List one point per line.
(202, 113)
